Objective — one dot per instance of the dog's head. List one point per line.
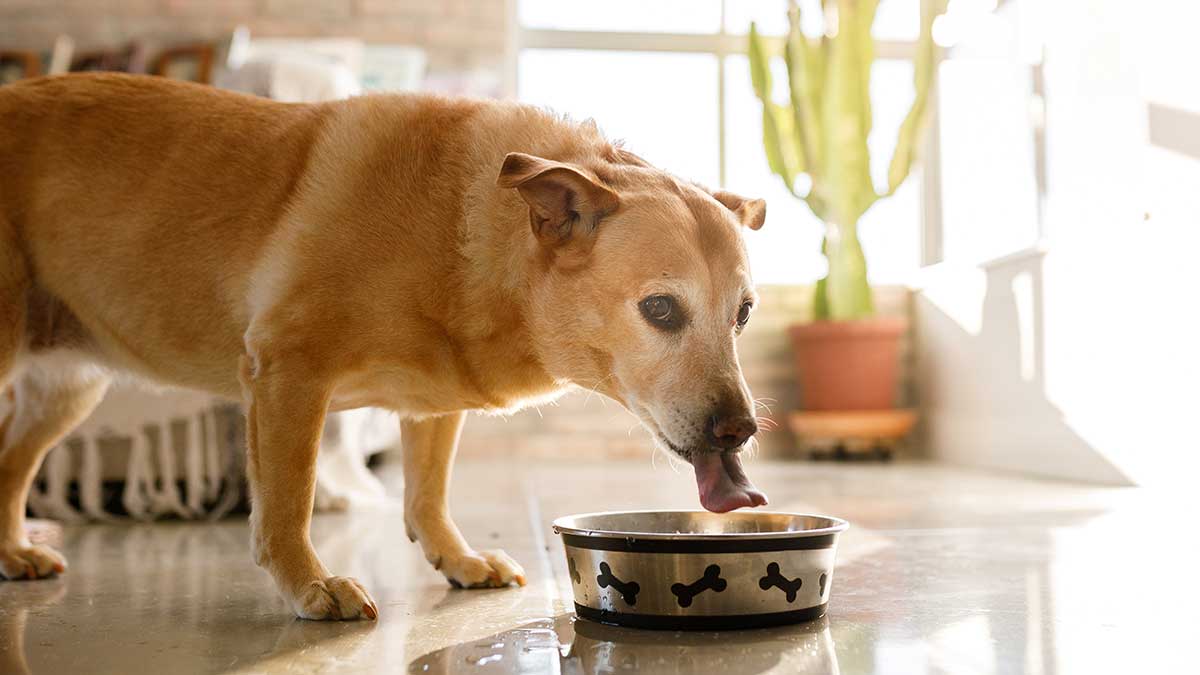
(641, 288)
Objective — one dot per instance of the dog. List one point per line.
(426, 255)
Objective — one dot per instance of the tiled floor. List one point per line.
(943, 571)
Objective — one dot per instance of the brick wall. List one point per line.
(456, 34)
(593, 426)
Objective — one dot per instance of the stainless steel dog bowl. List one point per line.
(695, 570)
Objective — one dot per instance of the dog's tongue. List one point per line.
(723, 485)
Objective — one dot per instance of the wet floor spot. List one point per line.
(564, 644)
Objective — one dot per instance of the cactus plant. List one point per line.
(822, 133)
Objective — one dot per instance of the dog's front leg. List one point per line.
(429, 448)
(285, 413)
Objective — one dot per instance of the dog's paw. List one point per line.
(30, 562)
(336, 599)
(483, 569)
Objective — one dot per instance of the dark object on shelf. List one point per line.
(841, 453)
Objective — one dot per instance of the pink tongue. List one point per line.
(723, 485)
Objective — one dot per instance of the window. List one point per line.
(629, 16)
(989, 105)
(661, 103)
(670, 78)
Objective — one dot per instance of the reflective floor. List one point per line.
(943, 571)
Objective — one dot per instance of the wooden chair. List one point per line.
(27, 63)
(202, 55)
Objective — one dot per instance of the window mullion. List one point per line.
(721, 44)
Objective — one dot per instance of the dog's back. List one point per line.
(105, 179)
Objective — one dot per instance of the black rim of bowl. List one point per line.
(715, 622)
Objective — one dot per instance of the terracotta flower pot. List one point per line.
(848, 365)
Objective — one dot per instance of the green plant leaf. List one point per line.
(797, 54)
(847, 165)
(848, 294)
(909, 137)
(817, 204)
(820, 305)
(779, 132)
(864, 17)
(760, 65)
(778, 140)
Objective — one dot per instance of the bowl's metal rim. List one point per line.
(839, 525)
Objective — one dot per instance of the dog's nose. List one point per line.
(730, 431)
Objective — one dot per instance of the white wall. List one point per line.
(1085, 362)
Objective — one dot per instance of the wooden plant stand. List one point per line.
(851, 434)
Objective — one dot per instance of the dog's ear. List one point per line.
(750, 212)
(565, 203)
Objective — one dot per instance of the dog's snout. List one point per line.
(729, 431)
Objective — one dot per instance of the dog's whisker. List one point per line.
(762, 403)
(594, 387)
(660, 450)
(752, 447)
(673, 461)
(766, 423)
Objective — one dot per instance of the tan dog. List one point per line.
(426, 255)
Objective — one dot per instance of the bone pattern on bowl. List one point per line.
(711, 580)
(655, 574)
(789, 586)
(576, 577)
(628, 589)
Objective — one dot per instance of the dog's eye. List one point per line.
(660, 310)
(743, 315)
